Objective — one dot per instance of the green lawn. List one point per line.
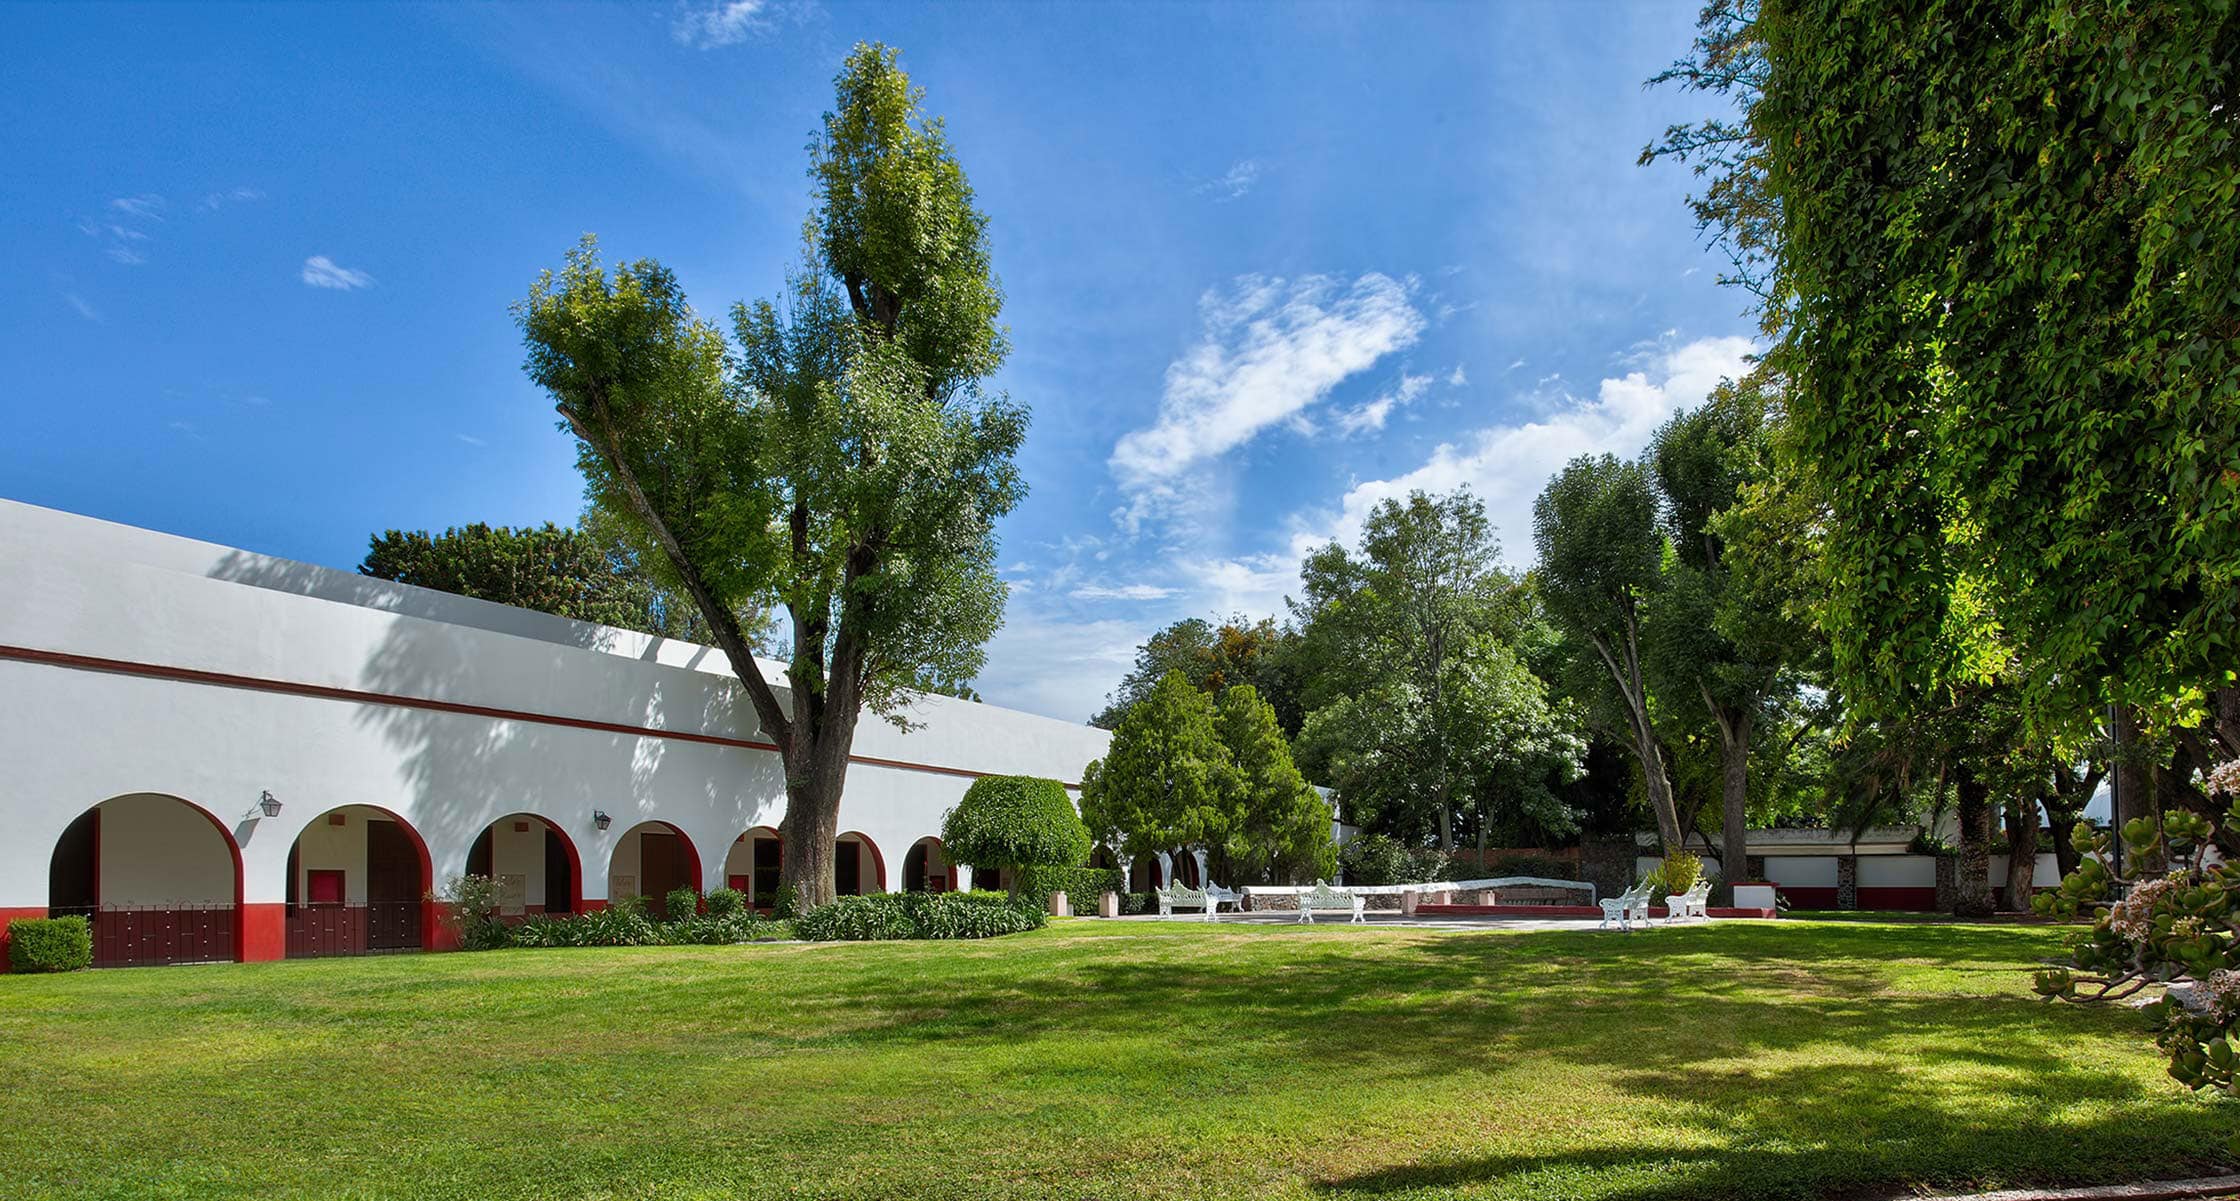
(1099, 1060)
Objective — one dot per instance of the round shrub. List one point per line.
(1015, 821)
(50, 944)
(724, 902)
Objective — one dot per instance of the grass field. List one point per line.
(1099, 1060)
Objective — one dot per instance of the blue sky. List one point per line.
(1265, 265)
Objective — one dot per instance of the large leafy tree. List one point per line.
(1601, 564)
(2008, 241)
(1394, 619)
(1215, 658)
(1726, 634)
(844, 468)
(1167, 781)
(552, 569)
(1279, 827)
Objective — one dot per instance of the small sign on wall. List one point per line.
(619, 887)
(513, 893)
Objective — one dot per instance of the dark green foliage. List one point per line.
(783, 903)
(1214, 659)
(629, 927)
(2008, 250)
(723, 902)
(1166, 780)
(1380, 859)
(1082, 885)
(1015, 821)
(50, 944)
(568, 573)
(681, 903)
(919, 915)
(471, 907)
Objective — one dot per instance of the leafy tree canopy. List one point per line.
(552, 569)
(1015, 821)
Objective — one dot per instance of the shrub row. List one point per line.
(628, 926)
(50, 944)
(892, 915)
(1082, 885)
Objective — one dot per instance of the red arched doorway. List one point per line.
(752, 864)
(358, 881)
(535, 865)
(926, 867)
(857, 866)
(158, 878)
(652, 859)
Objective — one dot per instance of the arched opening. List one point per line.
(652, 859)
(157, 877)
(1102, 859)
(358, 878)
(1186, 869)
(991, 879)
(857, 866)
(752, 863)
(1143, 874)
(926, 868)
(535, 866)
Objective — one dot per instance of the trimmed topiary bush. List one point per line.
(680, 903)
(50, 944)
(1015, 822)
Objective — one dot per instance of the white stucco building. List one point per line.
(221, 755)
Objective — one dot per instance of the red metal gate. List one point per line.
(136, 936)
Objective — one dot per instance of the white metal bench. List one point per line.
(1322, 896)
(1182, 896)
(1694, 902)
(1627, 908)
(1217, 896)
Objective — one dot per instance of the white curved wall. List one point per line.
(74, 737)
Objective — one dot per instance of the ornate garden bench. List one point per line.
(1627, 908)
(1180, 895)
(1695, 901)
(1322, 896)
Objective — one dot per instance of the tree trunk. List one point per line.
(2135, 785)
(2022, 853)
(1645, 746)
(2060, 819)
(1973, 897)
(1734, 773)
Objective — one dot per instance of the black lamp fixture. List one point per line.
(599, 818)
(269, 803)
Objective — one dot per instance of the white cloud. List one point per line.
(1126, 592)
(84, 309)
(470, 439)
(1371, 416)
(1059, 668)
(1508, 465)
(1271, 349)
(724, 23)
(218, 200)
(1239, 180)
(145, 207)
(1457, 378)
(322, 272)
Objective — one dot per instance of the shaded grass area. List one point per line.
(1100, 1060)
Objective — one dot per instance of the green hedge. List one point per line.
(900, 915)
(627, 926)
(1082, 885)
(50, 944)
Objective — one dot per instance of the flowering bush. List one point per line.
(2175, 927)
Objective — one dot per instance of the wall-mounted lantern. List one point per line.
(600, 819)
(269, 803)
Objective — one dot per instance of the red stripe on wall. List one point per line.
(219, 679)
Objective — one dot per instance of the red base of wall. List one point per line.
(264, 933)
(9, 915)
(1655, 911)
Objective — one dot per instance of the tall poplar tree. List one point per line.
(844, 469)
